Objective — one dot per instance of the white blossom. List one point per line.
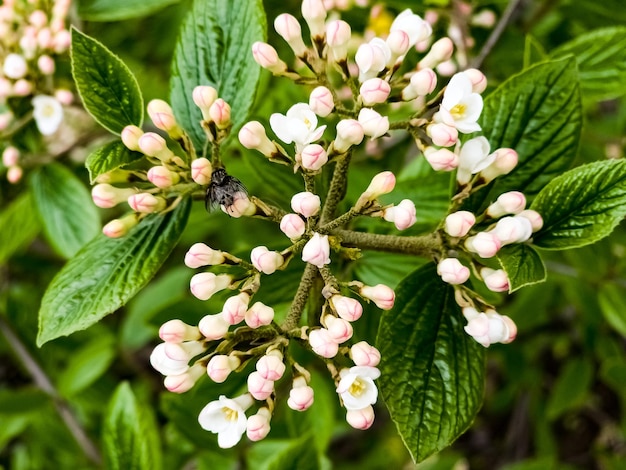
(461, 107)
(357, 388)
(227, 418)
(48, 114)
(299, 125)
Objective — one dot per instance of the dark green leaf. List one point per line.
(432, 372)
(571, 387)
(582, 206)
(613, 305)
(110, 157)
(65, 208)
(215, 48)
(22, 400)
(281, 455)
(106, 273)
(129, 435)
(116, 10)
(107, 87)
(522, 265)
(20, 225)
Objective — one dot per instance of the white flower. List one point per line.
(473, 158)
(48, 114)
(14, 66)
(357, 388)
(460, 106)
(226, 417)
(489, 327)
(413, 25)
(298, 125)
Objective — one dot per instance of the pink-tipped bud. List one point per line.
(512, 202)
(371, 58)
(201, 170)
(130, 137)
(267, 57)
(235, 308)
(313, 157)
(293, 226)
(382, 295)
(314, 14)
(202, 255)
(146, 203)
(117, 228)
(512, 329)
(288, 28)
(213, 327)
(65, 97)
(61, 41)
(349, 133)
(219, 112)
(514, 229)
(252, 136)
(163, 118)
(258, 425)
(536, 221)
(346, 307)
(271, 366)
(317, 250)
(38, 19)
(10, 156)
(162, 177)
(374, 125)
(398, 42)
(14, 66)
(241, 206)
(382, 183)
(321, 101)
(442, 134)
(259, 315)
(439, 52)
(441, 159)
(403, 215)
(458, 224)
(14, 174)
(301, 396)
(5, 118)
(306, 203)
(505, 161)
(496, 280)
(152, 144)
(452, 271)
(361, 419)
(184, 382)
(204, 285)
(338, 34)
(265, 260)
(204, 96)
(45, 64)
(45, 39)
(339, 330)
(323, 343)
(22, 87)
(478, 79)
(374, 91)
(220, 367)
(364, 354)
(484, 244)
(260, 388)
(177, 331)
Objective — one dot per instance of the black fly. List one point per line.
(223, 190)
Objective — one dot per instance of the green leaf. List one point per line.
(522, 265)
(284, 454)
(20, 225)
(571, 388)
(582, 206)
(67, 213)
(537, 113)
(106, 273)
(116, 10)
(432, 372)
(110, 157)
(613, 305)
(215, 48)
(107, 87)
(601, 58)
(129, 435)
(533, 51)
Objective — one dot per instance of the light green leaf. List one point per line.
(215, 48)
(20, 225)
(107, 87)
(613, 305)
(129, 435)
(67, 213)
(601, 58)
(582, 206)
(106, 273)
(522, 265)
(533, 51)
(116, 10)
(571, 387)
(284, 454)
(432, 372)
(109, 157)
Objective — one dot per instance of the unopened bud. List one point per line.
(346, 307)
(374, 91)
(382, 295)
(130, 137)
(317, 250)
(162, 177)
(10, 156)
(374, 125)
(441, 159)
(201, 170)
(339, 330)
(514, 229)
(314, 14)
(184, 382)
(442, 134)
(265, 260)
(219, 112)
(361, 419)
(301, 396)
(422, 83)
(452, 271)
(398, 42)
(213, 327)
(220, 366)
(271, 365)
(321, 101)
(259, 315)
(267, 57)
(204, 96)
(323, 343)
(163, 118)
(252, 136)
(496, 280)
(117, 228)
(288, 27)
(259, 388)
(484, 244)
(235, 307)
(177, 331)
(478, 79)
(363, 354)
(258, 425)
(512, 202)
(439, 52)
(313, 157)
(202, 255)
(14, 174)
(14, 66)
(403, 215)
(146, 203)
(382, 183)
(293, 226)
(22, 87)
(338, 35)
(306, 203)
(204, 285)
(505, 161)
(45, 64)
(349, 133)
(458, 224)
(535, 219)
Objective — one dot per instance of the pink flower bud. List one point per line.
(219, 112)
(403, 215)
(5, 118)
(458, 224)
(241, 206)
(293, 226)
(271, 366)
(339, 330)
(204, 285)
(288, 28)
(235, 307)
(317, 250)
(161, 177)
(204, 96)
(213, 327)
(258, 425)
(45, 39)
(45, 64)
(441, 159)
(177, 331)
(146, 203)
(361, 419)
(382, 183)
(478, 79)
(452, 271)
(374, 91)
(184, 382)
(265, 260)
(130, 137)
(338, 34)
(38, 19)
(535, 219)
(398, 42)
(364, 354)
(259, 315)
(306, 203)
(505, 161)
(314, 14)
(22, 87)
(323, 343)
(447, 68)
(301, 396)
(173, 358)
(439, 52)
(442, 134)
(313, 157)
(267, 57)
(260, 388)
(512, 329)
(371, 58)
(321, 101)
(422, 83)
(117, 228)
(374, 125)
(14, 66)
(107, 196)
(512, 202)
(380, 294)
(201, 170)
(10, 156)
(488, 328)
(163, 118)
(151, 144)
(346, 307)
(349, 133)
(65, 97)
(513, 230)
(496, 280)
(252, 136)
(484, 244)
(14, 174)
(220, 367)
(202, 255)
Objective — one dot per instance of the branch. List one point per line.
(420, 246)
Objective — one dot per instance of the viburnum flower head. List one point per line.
(356, 387)
(227, 418)
(473, 158)
(461, 107)
(299, 125)
(48, 114)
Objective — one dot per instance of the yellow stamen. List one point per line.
(458, 111)
(230, 414)
(357, 388)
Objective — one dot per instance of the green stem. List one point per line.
(339, 221)
(337, 188)
(421, 246)
(300, 299)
